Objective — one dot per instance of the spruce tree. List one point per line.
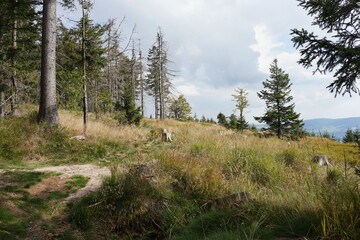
(233, 121)
(19, 67)
(70, 73)
(158, 82)
(222, 119)
(131, 113)
(339, 50)
(349, 136)
(203, 119)
(48, 109)
(279, 115)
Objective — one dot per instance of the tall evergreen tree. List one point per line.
(85, 7)
(222, 119)
(69, 74)
(233, 121)
(349, 136)
(118, 65)
(48, 109)
(158, 82)
(19, 32)
(48, 104)
(126, 110)
(152, 78)
(341, 51)
(71, 65)
(279, 115)
(132, 114)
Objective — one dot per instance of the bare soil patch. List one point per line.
(13, 208)
(48, 185)
(94, 173)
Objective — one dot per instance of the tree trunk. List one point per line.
(85, 102)
(141, 84)
(110, 83)
(48, 112)
(133, 80)
(161, 84)
(278, 120)
(156, 105)
(13, 63)
(2, 77)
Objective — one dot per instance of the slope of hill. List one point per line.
(336, 127)
(208, 183)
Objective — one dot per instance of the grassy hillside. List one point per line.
(178, 190)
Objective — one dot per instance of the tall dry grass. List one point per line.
(103, 128)
(206, 161)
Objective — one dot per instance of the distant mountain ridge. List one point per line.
(336, 127)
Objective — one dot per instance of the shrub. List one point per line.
(333, 176)
(130, 206)
(340, 217)
(288, 156)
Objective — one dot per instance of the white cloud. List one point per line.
(188, 90)
(189, 50)
(265, 45)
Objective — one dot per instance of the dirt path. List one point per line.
(94, 173)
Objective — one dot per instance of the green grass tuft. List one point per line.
(11, 227)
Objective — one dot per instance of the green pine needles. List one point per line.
(279, 115)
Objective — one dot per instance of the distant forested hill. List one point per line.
(336, 127)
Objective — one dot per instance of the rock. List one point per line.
(322, 160)
(80, 137)
(166, 136)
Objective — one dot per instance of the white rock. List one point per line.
(80, 137)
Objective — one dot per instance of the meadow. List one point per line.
(167, 189)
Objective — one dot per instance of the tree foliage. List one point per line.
(19, 67)
(128, 113)
(86, 52)
(180, 109)
(352, 136)
(158, 82)
(241, 103)
(279, 115)
(339, 53)
(222, 119)
(233, 121)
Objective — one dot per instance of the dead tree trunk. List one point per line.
(141, 72)
(85, 102)
(13, 63)
(2, 77)
(133, 78)
(161, 100)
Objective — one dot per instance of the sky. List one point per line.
(219, 45)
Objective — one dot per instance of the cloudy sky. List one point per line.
(218, 45)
